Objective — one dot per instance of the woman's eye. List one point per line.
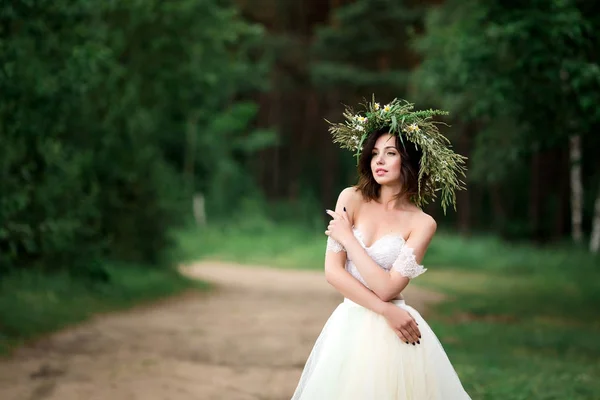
(391, 153)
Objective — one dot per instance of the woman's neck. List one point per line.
(387, 197)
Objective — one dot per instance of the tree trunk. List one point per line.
(261, 161)
(275, 121)
(304, 135)
(189, 156)
(463, 212)
(562, 193)
(329, 160)
(464, 196)
(498, 208)
(595, 239)
(479, 220)
(576, 188)
(535, 196)
(198, 207)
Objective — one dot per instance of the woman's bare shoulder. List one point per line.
(351, 195)
(423, 223)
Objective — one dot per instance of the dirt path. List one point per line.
(246, 339)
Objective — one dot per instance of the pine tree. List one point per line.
(364, 49)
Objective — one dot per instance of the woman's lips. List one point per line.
(380, 171)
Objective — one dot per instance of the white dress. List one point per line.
(358, 356)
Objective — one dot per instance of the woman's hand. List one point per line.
(402, 323)
(339, 227)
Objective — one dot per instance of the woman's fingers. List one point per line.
(345, 215)
(401, 335)
(331, 225)
(413, 331)
(413, 327)
(333, 214)
(408, 335)
(414, 334)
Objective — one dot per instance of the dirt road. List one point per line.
(246, 339)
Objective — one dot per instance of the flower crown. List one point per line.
(440, 167)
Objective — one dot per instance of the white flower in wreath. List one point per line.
(376, 106)
(387, 108)
(413, 128)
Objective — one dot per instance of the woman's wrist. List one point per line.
(382, 308)
(349, 242)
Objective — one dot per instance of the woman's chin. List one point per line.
(382, 180)
(386, 180)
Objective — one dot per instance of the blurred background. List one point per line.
(137, 135)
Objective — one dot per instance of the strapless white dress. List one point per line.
(357, 356)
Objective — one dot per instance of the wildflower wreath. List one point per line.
(440, 168)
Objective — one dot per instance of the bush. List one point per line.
(100, 102)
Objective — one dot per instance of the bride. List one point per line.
(374, 346)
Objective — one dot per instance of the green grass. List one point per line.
(508, 339)
(32, 303)
(489, 253)
(520, 322)
(285, 246)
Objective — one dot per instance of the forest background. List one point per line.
(136, 135)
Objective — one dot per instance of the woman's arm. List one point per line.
(388, 285)
(337, 276)
(385, 285)
(401, 322)
(348, 286)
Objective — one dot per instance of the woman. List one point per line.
(374, 346)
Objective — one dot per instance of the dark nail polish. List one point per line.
(406, 342)
(344, 209)
(418, 341)
(414, 344)
(419, 336)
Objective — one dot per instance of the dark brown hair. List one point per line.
(410, 157)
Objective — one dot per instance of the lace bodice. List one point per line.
(389, 252)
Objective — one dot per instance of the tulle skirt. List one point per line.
(358, 356)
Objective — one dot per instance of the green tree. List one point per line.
(364, 49)
(526, 73)
(101, 106)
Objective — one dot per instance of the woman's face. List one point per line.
(385, 160)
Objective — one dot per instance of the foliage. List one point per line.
(226, 152)
(102, 105)
(363, 47)
(526, 71)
